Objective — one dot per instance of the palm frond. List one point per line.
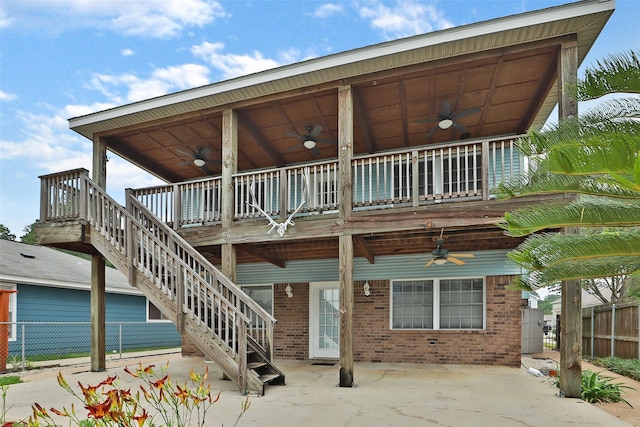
(587, 212)
(616, 73)
(597, 268)
(547, 250)
(549, 183)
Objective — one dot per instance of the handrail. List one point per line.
(179, 272)
(415, 176)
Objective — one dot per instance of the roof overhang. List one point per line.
(584, 20)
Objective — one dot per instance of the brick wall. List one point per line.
(498, 344)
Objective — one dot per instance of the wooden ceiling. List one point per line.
(392, 110)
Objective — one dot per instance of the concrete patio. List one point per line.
(386, 395)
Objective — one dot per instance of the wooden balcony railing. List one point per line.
(410, 177)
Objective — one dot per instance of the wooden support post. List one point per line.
(229, 168)
(345, 154)
(98, 335)
(98, 285)
(571, 317)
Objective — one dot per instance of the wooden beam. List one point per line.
(571, 317)
(263, 143)
(98, 310)
(363, 123)
(346, 311)
(229, 167)
(345, 154)
(263, 255)
(362, 246)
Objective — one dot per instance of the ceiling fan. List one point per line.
(441, 255)
(310, 139)
(446, 119)
(198, 158)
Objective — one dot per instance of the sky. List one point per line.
(65, 58)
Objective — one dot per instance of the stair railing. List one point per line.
(178, 271)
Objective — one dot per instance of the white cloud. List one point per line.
(4, 96)
(328, 9)
(126, 52)
(126, 88)
(233, 65)
(155, 19)
(405, 19)
(5, 21)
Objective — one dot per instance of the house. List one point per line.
(54, 286)
(338, 208)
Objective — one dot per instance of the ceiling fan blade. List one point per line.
(212, 161)
(455, 260)
(188, 162)
(315, 151)
(459, 127)
(431, 261)
(185, 153)
(326, 141)
(316, 131)
(462, 255)
(204, 152)
(295, 135)
(433, 131)
(446, 108)
(467, 112)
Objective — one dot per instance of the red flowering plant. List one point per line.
(108, 404)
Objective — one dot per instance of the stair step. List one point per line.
(256, 365)
(268, 377)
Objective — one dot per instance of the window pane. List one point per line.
(461, 304)
(262, 294)
(412, 304)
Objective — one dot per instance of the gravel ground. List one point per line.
(542, 364)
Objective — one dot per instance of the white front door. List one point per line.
(324, 320)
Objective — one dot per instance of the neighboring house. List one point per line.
(588, 300)
(383, 157)
(54, 286)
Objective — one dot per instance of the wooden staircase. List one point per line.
(225, 323)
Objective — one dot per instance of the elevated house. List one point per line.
(329, 195)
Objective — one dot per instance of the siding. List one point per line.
(48, 304)
(485, 263)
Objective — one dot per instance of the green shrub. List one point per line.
(628, 367)
(596, 388)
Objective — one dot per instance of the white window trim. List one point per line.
(436, 304)
(146, 307)
(13, 303)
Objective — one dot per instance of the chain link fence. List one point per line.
(34, 343)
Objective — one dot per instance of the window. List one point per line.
(154, 314)
(438, 304)
(262, 294)
(12, 309)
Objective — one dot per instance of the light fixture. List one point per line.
(445, 123)
(199, 162)
(367, 289)
(288, 291)
(440, 261)
(309, 144)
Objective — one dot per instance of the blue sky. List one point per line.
(64, 58)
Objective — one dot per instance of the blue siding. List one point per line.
(48, 304)
(485, 263)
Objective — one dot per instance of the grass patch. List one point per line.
(627, 367)
(9, 379)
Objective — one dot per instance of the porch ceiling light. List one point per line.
(440, 261)
(288, 291)
(309, 144)
(445, 123)
(198, 162)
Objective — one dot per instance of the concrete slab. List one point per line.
(386, 395)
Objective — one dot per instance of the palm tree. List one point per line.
(596, 158)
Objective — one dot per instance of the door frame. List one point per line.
(314, 351)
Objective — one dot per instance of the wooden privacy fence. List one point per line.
(611, 330)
